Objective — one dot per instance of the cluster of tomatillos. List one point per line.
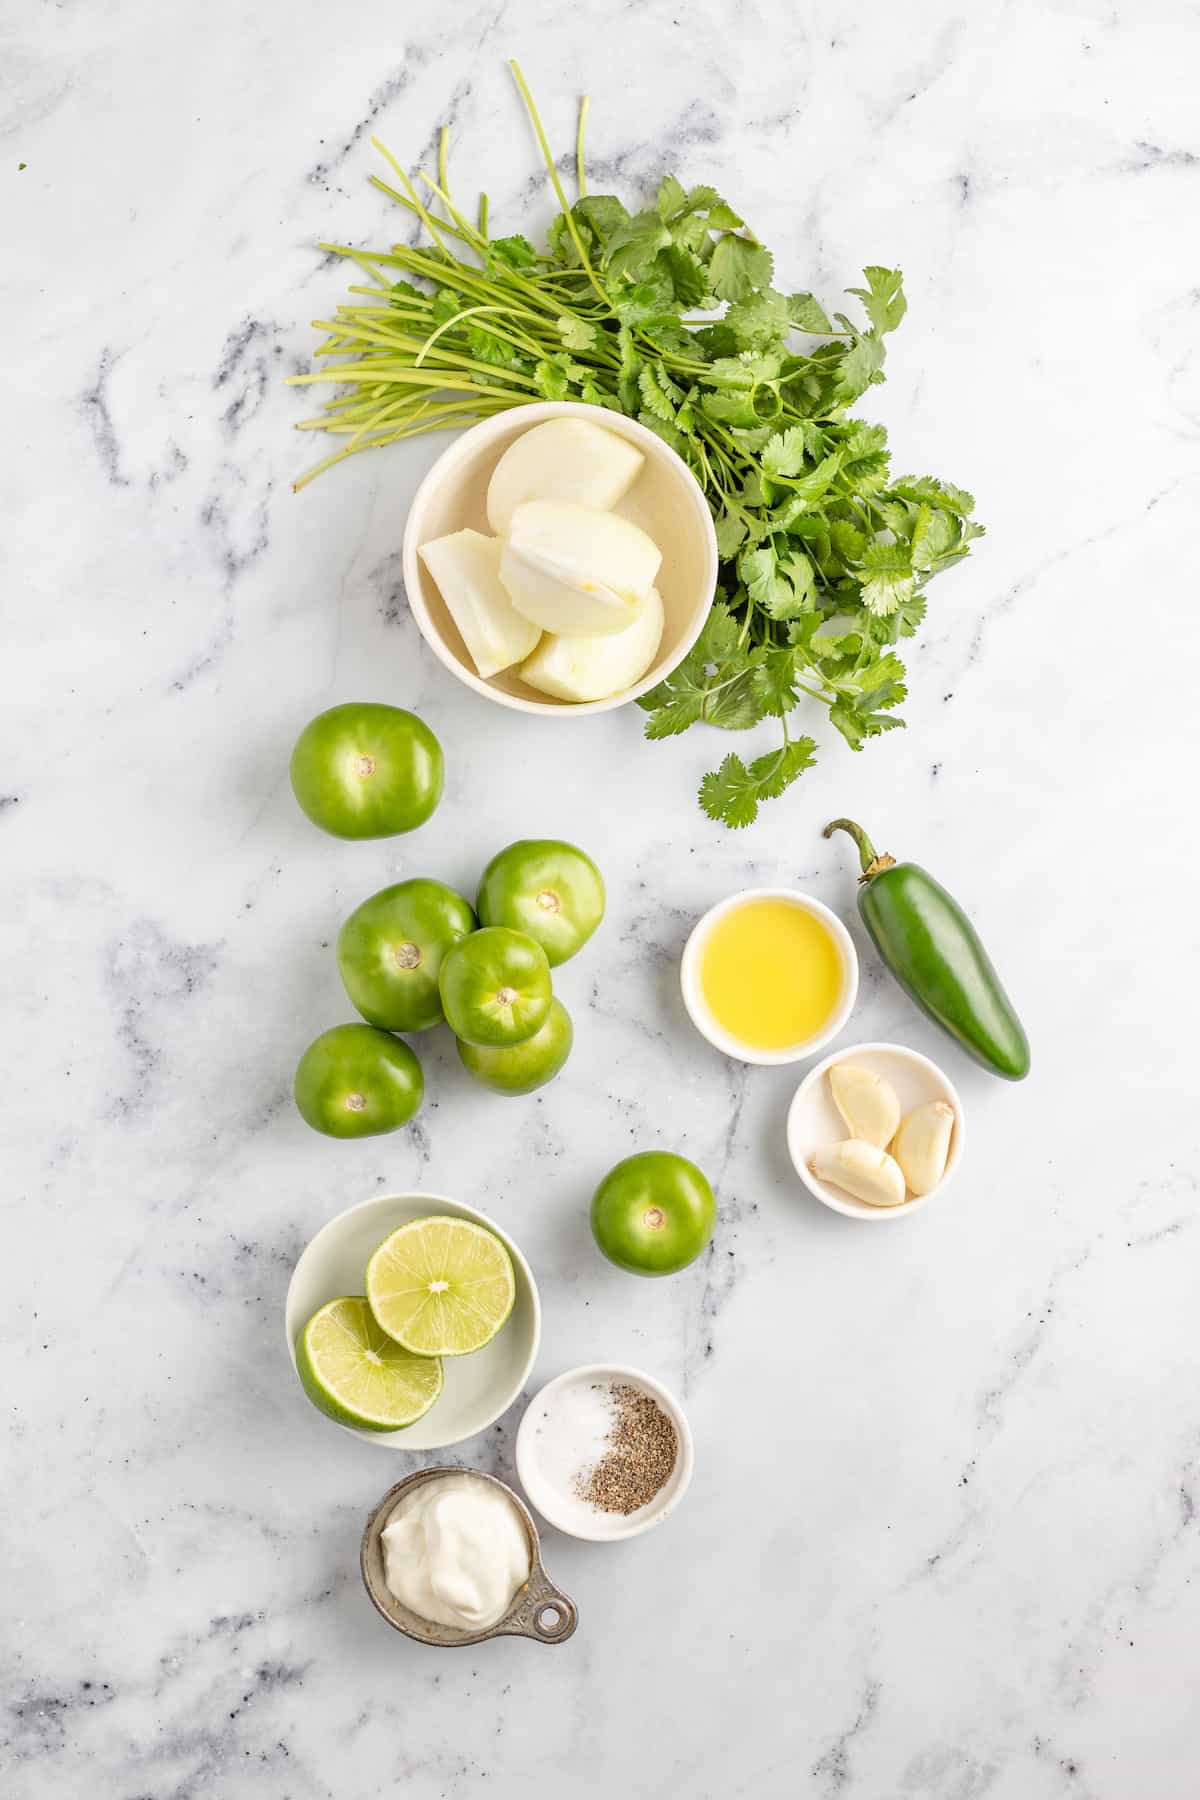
(417, 954)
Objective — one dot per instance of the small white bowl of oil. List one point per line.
(769, 975)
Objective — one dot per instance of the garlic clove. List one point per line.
(923, 1144)
(864, 1170)
(868, 1104)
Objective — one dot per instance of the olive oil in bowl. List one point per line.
(769, 975)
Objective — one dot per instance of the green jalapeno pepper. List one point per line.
(934, 952)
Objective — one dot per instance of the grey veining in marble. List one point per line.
(957, 1462)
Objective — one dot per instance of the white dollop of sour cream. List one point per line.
(455, 1552)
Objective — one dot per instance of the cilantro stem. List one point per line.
(548, 159)
(463, 230)
(581, 127)
(392, 194)
(422, 211)
(469, 312)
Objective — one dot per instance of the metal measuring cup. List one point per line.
(539, 1610)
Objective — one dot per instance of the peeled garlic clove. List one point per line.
(575, 571)
(864, 1170)
(564, 459)
(466, 567)
(592, 668)
(868, 1104)
(923, 1144)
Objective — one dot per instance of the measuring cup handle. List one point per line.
(545, 1614)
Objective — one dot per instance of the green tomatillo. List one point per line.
(546, 888)
(495, 987)
(521, 1068)
(355, 1081)
(654, 1213)
(390, 952)
(367, 771)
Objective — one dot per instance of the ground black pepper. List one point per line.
(640, 1454)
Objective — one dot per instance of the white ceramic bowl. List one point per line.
(702, 1018)
(566, 1512)
(813, 1120)
(666, 500)
(478, 1388)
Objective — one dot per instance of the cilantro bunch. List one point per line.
(669, 314)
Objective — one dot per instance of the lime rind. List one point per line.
(441, 1286)
(355, 1373)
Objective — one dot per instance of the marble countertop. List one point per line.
(943, 1532)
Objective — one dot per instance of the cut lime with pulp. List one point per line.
(441, 1287)
(359, 1375)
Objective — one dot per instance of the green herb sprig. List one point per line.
(668, 314)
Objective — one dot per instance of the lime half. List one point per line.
(441, 1287)
(358, 1375)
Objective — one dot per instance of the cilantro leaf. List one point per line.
(486, 347)
(883, 298)
(713, 683)
(775, 680)
(635, 243)
(939, 493)
(742, 372)
(730, 408)
(556, 375)
(808, 488)
(885, 572)
(707, 201)
(785, 453)
(511, 253)
(760, 320)
(731, 531)
(934, 536)
(737, 703)
(862, 716)
(666, 430)
(908, 615)
(672, 197)
(644, 300)
(807, 314)
(846, 541)
(732, 794)
(859, 367)
(781, 583)
(738, 266)
(604, 215)
(576, 334)
(688, 275)
(560, 245)
(655, 397)
(865, 458)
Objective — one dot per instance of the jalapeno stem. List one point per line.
(866, 848)
(871, 861)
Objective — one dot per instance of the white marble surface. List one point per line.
(942, 1537)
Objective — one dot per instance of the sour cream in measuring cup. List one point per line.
(455, 1552)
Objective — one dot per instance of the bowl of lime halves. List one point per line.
(412, 1320)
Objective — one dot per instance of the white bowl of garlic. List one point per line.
(560, 558)
(876, 1131)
